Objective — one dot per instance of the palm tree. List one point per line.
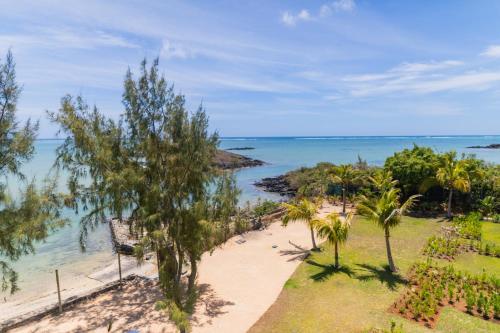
(452, 175)
(385, 210)
(335, 230)
(345, 175)
(305, 211)
(382, 180)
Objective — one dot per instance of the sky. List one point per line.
(270, 68)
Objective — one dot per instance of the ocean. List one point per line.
(61, 250)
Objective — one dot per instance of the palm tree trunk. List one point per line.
(450, 196)
(343, 200)
(312, 238)
(392, 267)
(336, 255)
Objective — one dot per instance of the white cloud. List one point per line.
(170, 50)
(422, 84)
(289, 19)
(344, 5)
(493, 51)
(65, 38)
(424, 67)
(337, 6)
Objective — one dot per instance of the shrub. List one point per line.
(469, 226)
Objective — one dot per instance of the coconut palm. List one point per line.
(385, 210)
(305, 211)
(335, 230)
(382, 180)
(345, 175)
(453, 175)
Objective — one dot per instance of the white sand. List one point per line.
(239, 282)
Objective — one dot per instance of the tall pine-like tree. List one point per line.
(27, 214)
(155, 166)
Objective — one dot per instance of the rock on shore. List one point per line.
(492, 146)
(278, 185)
(227, 160)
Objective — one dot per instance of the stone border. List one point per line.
(67, 304)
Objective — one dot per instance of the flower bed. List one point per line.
(431, 288)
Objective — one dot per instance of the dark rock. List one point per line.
(227, 160)
(277, 184)
(492, 146)
(241, 148)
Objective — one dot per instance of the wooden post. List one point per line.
(58, 291)
(120, 269)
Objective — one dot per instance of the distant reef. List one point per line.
(227, 160)
(492, 146)
(241, 148)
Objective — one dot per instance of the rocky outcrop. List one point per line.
(227, 160)
(123, 241)
(492, 146)
(278, 185)
(241, 148)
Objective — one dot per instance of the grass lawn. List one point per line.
(317, 298)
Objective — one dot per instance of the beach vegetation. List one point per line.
(385, 210)
(335, 230)
(155, 166)
(303, 210)
(30, 213)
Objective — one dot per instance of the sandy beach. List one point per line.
(238, 282)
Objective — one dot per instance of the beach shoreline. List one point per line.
(239, 281)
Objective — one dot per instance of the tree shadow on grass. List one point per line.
(298, 253)
(383, 274)
(328, 270)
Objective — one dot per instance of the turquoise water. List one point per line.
(61, 250)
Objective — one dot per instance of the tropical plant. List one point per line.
(305, 211)
(452, 174)
(488, 205)
(29, 214)
(335, 230)
(411, 167)
(385, 210)
(345, 175)
(382, 180)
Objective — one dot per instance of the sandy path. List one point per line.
(239, 282)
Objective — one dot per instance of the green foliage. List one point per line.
(442, 247)
(334, 230)
(265, 207)
(488, 205)
(31, 214)
(469, 226)
(429, 282)
(154, 165)
(385, 210)
(411, 167)
(305, 211)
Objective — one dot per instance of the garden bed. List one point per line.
(430, 288)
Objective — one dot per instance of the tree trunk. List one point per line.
(450, 197)
(343, 200)
(392, 267)
(312, 238)
(336, 255)
(192, 276)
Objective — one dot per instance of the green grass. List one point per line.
(355, 298)
(491, 232)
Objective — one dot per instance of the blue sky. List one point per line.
(264, 68)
